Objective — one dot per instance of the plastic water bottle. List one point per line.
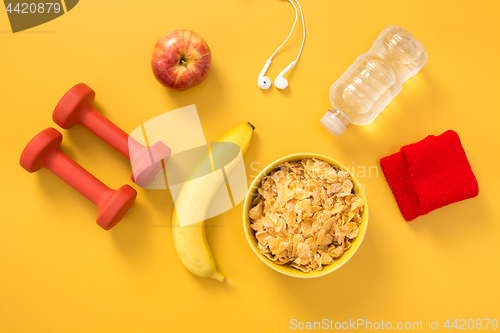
(374, 79)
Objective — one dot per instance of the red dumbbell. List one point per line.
(75, 107)
(43, 151)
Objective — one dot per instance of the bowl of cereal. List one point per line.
(305, 215)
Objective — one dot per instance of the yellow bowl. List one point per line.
(287, 270)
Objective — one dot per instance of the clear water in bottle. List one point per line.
(374, 79)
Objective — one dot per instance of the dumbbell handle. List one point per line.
(117, 139)
(106, 130)
(78, 178)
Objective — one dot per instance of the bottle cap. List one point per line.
(333, 124)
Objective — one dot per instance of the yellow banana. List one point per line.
(190, 241)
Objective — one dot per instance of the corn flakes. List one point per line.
(305, 214)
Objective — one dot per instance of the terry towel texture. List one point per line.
(429, 174)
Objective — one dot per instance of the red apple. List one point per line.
(181, 60)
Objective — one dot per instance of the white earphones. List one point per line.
(281, 82)
(263, 81)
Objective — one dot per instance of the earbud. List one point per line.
(281, 82)
(263, 81)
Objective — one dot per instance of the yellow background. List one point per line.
(60, 272)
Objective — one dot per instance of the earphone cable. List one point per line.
(293, 27)
(303, 29)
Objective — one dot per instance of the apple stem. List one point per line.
(184, 63)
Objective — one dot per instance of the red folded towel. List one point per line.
(429, 174)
